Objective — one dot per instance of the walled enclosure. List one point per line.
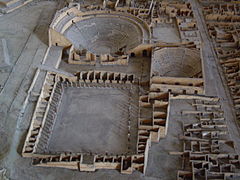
(124, 89)
(122, 33)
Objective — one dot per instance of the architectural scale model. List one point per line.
(120, 89)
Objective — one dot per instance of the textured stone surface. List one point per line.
(176, 62)
(104, 35)
(92, 119)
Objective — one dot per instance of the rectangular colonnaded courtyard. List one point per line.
(96, 119)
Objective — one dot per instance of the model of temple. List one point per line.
(124, 89)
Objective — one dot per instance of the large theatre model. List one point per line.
(109, 84)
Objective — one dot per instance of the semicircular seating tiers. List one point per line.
(176, 62)
(100, 32)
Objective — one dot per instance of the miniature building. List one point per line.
(149, 87)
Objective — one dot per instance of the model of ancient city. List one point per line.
(119, 89)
